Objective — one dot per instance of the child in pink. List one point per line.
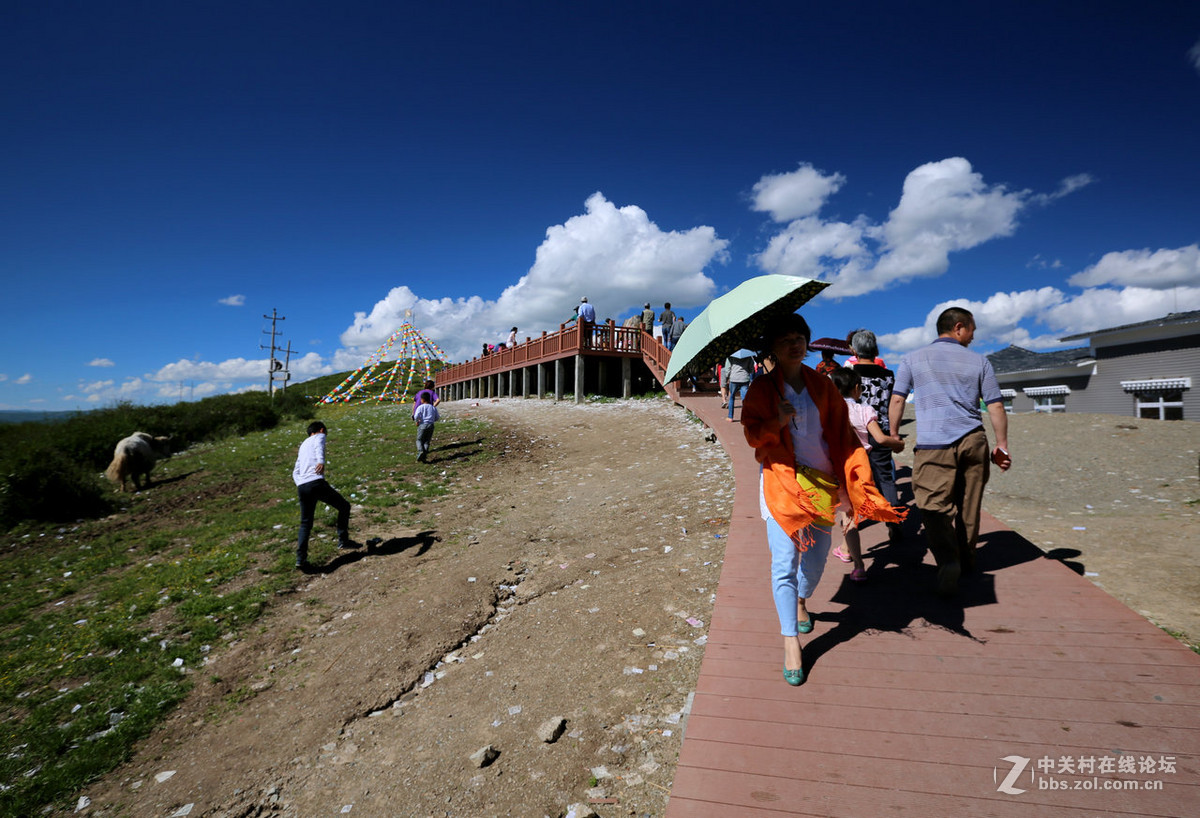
(865, 421)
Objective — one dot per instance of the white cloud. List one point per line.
(944, 207)
(3, 377)
(1194, 56)
(96, 386)
(101, 362)
(999, 317)
(235, 370)
(1157, 269)
(24, 379)
(1099, 308)
(233, 301)
(617, 257)
(795, 195)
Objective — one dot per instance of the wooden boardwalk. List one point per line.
(916, 706)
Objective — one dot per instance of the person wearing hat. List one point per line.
(648, 318)
(586, 311)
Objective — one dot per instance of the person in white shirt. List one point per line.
(309, 477)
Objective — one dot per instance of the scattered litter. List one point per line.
(589, 556)
(514, 710)
(1079, 528)
(83, 803)
(347, 808)
(703, 640)
(164, 775)
(564, 564)
(694, 622)
(667, 548)
(639, 633)
(177, 663)
(347, 615)
(183, 811)
(1090, 574)
(630, 671)
(470, 579)
(667, 733)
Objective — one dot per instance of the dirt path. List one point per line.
(573, 579)
(570, 579)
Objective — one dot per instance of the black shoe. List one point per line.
(346, 545)
(947, 580)
(304, 566)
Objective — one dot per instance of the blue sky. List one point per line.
(172, 172)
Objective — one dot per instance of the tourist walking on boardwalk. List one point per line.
(737, 374)
(877, 384)
(677, 328)
(426, 415)
(312, 488)
(951, 457)
(667, 319)
(512, 339)
(648, 318)
(586, 311)
(865, 421)
(800, 430)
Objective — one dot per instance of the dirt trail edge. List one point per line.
(553, 609)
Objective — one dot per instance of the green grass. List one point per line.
(95, 616)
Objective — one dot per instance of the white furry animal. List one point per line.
(136, 455)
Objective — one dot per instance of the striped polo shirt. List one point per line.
(948, 380)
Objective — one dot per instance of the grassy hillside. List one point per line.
(104, 623)
(52, 472)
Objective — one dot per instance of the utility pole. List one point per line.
(274, 365)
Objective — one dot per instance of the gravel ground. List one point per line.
(1116, 498)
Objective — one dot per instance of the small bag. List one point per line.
(822, 489)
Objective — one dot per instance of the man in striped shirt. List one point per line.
(951, 458)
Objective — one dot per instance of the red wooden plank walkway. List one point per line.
(916, 706)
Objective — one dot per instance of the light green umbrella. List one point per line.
(736, 320)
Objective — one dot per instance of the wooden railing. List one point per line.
(578, 338)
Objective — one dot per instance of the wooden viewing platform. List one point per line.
(585, 356)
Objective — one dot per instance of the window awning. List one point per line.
(1039, 391)
(1157, 385)
(1008, 393)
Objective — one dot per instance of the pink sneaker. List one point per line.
(841, 555)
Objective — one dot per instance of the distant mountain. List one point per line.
(26, 416)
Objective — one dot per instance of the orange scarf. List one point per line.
(791, 507)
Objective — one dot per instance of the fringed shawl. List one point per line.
(791, 507)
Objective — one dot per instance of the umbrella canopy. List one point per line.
(736, 320)
(835, 345)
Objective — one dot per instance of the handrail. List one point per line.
(579, 337)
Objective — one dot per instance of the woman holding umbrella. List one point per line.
(814, 471)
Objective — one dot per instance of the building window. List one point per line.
(1160, 405)
(1048, 398)
(1158, 399)
(1007, 396)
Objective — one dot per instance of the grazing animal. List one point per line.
(135, 456)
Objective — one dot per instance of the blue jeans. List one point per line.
(795, 575)
(734, 388)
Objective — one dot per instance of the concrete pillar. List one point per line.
(626, 377)
(580, 371)
(524, 381)
(541, 379)
(602, 376)
(559, 377)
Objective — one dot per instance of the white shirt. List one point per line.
(311, 455)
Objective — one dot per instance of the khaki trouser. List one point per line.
(948, 488)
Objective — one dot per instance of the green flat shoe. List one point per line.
(793, 677)
(806, 626)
